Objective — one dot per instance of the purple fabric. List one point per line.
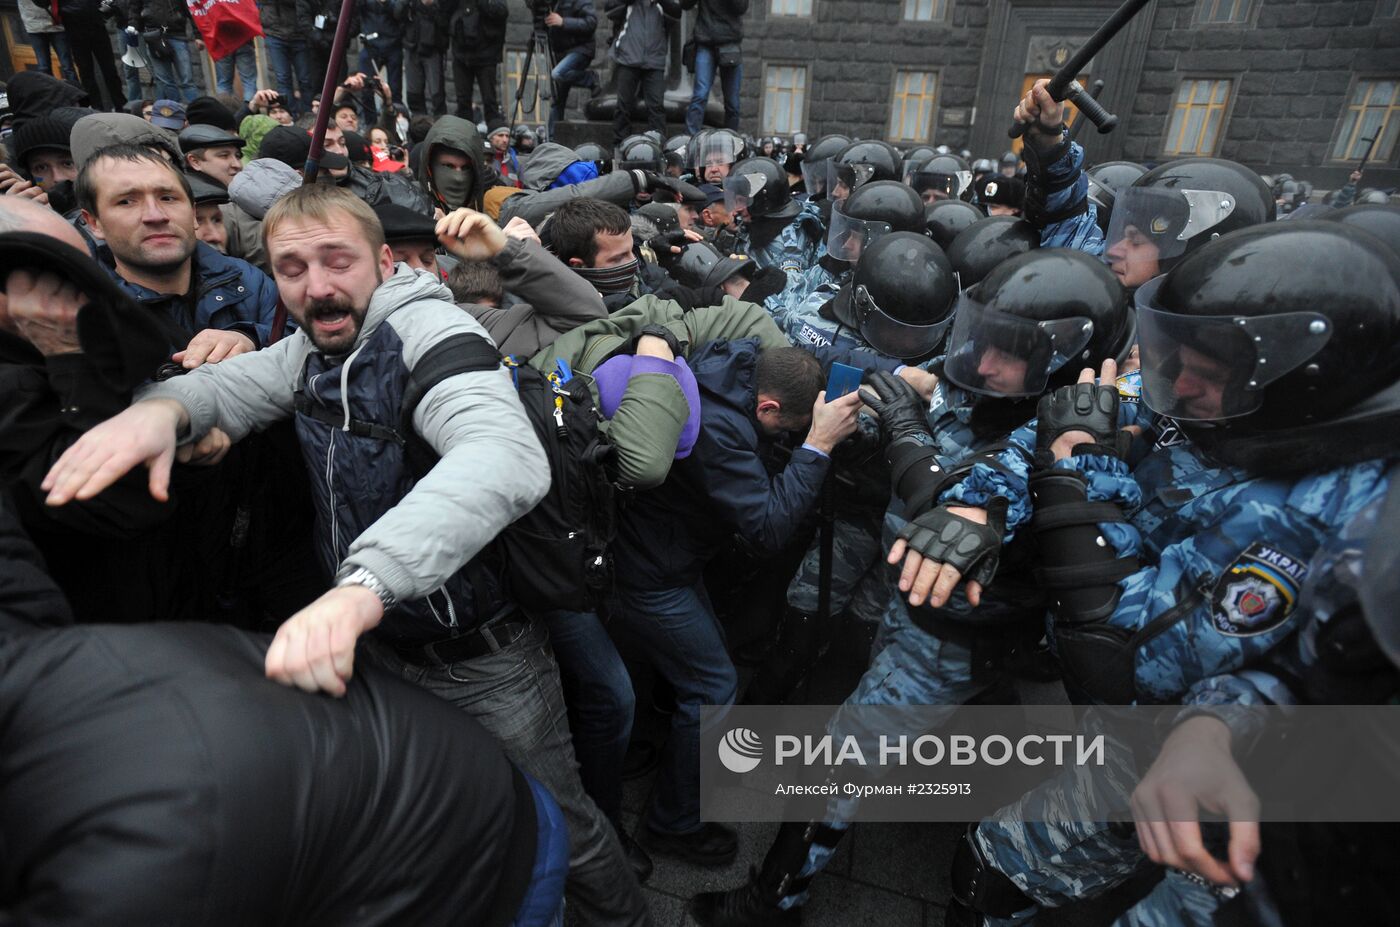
(611, 378)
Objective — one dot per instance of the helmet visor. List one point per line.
(1150, 224)
(1211, 368)
(843, 179)
(848, 236)
(889, 335)
(995, 353)
(741, 189)
(934, 182)
(814, 176)
(716, 150)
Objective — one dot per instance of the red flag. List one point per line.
(225, 25)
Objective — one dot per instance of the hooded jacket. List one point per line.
(33, 94)
(229, 293)
(252, 193)
(543, 168)
(420, 535)
(251, 130)
(668, 534)
(460, 135)
(102, 129)
(551, 299)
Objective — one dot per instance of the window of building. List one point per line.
(791, 7)
(1197, 117)
(530, 108)
(1372, 112)
(926, 11)
(911, 111)
(1223, 11)
(1387, 9)
(784, 98)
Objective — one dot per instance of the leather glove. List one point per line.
(1088, 407)
(903, 412)
(769, 281)
(649, 182)
(661, 245)
(972, 549)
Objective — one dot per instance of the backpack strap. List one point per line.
(461, 353)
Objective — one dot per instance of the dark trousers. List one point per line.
(652, 85)
(92, 53)
(425, 80)
(482, 73)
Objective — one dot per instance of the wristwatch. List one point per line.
(359, 576)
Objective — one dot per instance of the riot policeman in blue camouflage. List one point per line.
(1029, 327)
(875, 209)
(1265, 351)
(774, 229)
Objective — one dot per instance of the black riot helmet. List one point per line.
(1177, 207)
(986, 243)
(915, 157)
(1381, 221)
(759, 185)
(900, 296)
(862, 162)
(1270, 328)
(814, 158)
(944, 219)
(944, 176)
(592, 151)
(1105, 180)
(1035, 321)
(674, 151)
(639, 153)
(873, 210)
(701, 265)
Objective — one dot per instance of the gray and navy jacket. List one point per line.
(418, 532)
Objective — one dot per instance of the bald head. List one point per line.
(18, 214)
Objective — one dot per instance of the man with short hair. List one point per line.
(212, 152)
(403, 540)
(503, 158)
(209, 202)
(143, 208)
(595, 239)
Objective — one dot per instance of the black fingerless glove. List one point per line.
(1088, 407)
(972, 549)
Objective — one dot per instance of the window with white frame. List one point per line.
(912, 106)
(784, 98)
(926, 11)
(1197, 117)
(1372, 112)
(1217, 12)
(790, 7)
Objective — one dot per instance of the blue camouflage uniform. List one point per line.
(1066, 186)
(909, 665)
(800, 244)
(817, 277)
(1224, 559)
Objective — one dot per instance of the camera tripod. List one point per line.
(539, 47)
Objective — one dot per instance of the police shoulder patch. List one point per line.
(1257, 592)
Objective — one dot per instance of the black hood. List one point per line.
(33, 94)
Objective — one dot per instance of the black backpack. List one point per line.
(556, 555)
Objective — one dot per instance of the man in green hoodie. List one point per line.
(452, 164)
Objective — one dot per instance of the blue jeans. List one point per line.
(290, 58)
(601, 703)
(679, 633)
(515, 694)
(571, 71)
(389, 56)
(45, 43)
(246, 61)
(706, 63)
(175, 79)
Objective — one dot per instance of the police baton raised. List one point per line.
(1095, 92)
(1370, 146)
(318, 133)
(1065, 86)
